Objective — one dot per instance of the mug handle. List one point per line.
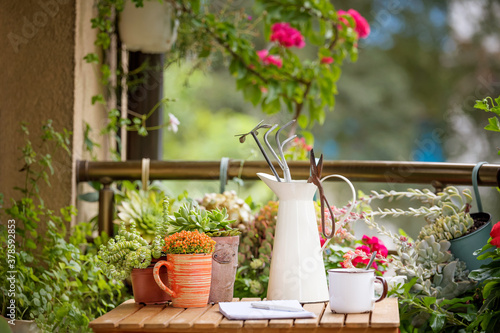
(349, 209)
(159, 282)
(384, 285)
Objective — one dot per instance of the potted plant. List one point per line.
(214, 223)
(129, 254)
(144, 208)
(189, 264)
(448, 217)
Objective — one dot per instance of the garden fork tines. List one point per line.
(254, 133)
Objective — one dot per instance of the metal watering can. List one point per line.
(297, 267)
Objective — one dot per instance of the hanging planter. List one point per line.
(464, 247)
(224, 266)
(149, 29)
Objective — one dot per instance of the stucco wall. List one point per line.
(37, 65)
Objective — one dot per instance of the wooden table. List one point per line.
(131, 317)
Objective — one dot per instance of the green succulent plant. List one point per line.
(446, 213)
(237, 209)
(189, 217)
(144, 208)
(454, 219)
(254, 253)
(129, 249)
(429, 260)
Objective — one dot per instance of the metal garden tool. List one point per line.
(315, 178)
(281, 159)
(254, 134)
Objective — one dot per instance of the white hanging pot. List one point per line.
(149, 29)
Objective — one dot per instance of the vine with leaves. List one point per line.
(303, 85)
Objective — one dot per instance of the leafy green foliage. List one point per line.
(493, 122)
(488, 316)
(299, 84)
(58, 283)
(428, 314)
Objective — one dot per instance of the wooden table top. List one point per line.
(132, 317)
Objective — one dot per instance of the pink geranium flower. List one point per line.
(268, 59)
(326, 60)
(287, 36)
(375, 244)
(362, 27)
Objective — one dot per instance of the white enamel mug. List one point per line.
(352, 290)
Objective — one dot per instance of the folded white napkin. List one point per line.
(245, 310)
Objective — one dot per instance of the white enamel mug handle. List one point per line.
(344, 217)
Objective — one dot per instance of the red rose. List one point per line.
(495, 235)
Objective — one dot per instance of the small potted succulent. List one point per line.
(189, 264)
(130, 255)
(214, 223)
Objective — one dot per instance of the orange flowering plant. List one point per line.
(188, 242)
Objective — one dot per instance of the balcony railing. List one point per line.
(438, 175)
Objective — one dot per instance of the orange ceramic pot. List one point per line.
(189, 278)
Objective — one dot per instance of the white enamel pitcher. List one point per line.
(297, 268)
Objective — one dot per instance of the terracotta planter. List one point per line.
(463, 247)
(189, 277)
(224, 265)
(145, 288)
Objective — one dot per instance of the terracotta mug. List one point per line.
(189, 278)
(352, 290)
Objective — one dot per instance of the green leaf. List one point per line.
(428, 301)
(494, 124)
(142, 131)
(205, 51)
(34, 278)
(302, 121)
(98, 99)
(437, 321)
(91, 58)
(252, 93)
(30, 244)
(271, 107)
(489, 287)
(481, 104)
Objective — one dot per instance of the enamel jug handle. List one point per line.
(344, 217)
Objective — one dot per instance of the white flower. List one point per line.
(173, 123)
